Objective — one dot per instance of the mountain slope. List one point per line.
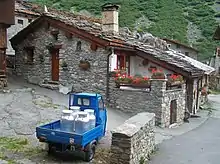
(189, 21)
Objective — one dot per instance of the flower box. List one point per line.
(85, 65)
(174, 83)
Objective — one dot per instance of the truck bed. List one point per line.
(51, 133)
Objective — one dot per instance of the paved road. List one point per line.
(200, 146)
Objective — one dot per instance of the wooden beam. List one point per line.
(3, 36)
(68, 35)
(93, 46)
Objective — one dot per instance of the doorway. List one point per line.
(173, 111)
(55, 64)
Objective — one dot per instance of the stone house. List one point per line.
(25, 13)
(73, 52)
(182, 48)
(194, 72)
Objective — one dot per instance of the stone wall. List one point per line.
(157, 101)
(134, 141)
(92, 80)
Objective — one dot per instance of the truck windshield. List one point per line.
(83, 101)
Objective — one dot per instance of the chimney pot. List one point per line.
(110, 18)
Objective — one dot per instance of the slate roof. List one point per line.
(152, 45)
(28, 8)
(181, 44)
(171, 58)
(91, 25)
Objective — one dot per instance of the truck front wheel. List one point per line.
(90, 153)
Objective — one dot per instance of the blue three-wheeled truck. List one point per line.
(63, 141)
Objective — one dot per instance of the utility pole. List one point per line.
(7, 18)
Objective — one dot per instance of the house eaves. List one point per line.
(170, 61)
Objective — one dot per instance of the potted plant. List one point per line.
(158, 74)
(136, 81)
(175, 80)
(151, 68)
(84, 64)
(141, 82)
(64, 66)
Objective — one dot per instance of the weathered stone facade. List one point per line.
(134, 141)
(92, 80)
(157, 101)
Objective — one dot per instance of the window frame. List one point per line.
(125, 59)
(82, 101)
(186, 53)
(102, 103)
(29, 56)
(20, 21)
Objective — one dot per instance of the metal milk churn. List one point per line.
(82, 122)
(92, 118)
(67, 121)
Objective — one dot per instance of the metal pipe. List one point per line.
(107, 78)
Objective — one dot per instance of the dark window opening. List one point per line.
(29, 20)
(20, 21)
(177, 46)
(55, 34)
(79, 46)
(187, 53)
(29, 56)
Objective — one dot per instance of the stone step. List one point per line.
(50, 86)
(52, 82)
(2, 72)
(2, 76)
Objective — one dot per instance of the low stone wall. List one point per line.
(157, 101)
(133, 141)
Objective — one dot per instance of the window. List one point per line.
(101, 104)
(29, 20)
(78, 46)
(187, 53)
(177, 46)
(83, 101)
(123, 62)
(29, 56)
(20, 21)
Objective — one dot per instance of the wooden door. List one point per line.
(55, 64)
(173, 111)
(2, 60)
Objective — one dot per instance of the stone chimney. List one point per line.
(110, 18)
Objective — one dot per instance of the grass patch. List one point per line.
(45, 104)
(32, 151)
(102, 156)
(215, 92)
(208, 107)
(15, 144)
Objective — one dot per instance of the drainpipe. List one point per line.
(107, 78)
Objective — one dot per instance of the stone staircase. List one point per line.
(3, 79)
(53, 85)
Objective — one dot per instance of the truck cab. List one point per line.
(86, 142)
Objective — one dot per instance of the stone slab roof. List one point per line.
(146, 43)
(181, 44)
(27, 8)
